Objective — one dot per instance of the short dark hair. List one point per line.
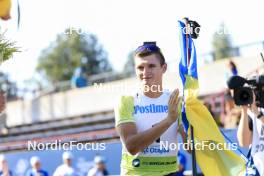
(149, 48)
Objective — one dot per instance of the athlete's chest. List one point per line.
(147, 114)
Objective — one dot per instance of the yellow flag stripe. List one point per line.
(212, 162)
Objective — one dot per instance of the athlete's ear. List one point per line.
(164, 68)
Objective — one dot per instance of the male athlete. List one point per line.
(149, 120)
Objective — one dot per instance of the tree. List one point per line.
(7, 48)
(71, 50)
(129, 67)
(222, 43)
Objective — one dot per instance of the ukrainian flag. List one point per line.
(212, 160)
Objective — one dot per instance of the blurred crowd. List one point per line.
(65, 169)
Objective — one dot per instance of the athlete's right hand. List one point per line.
(173, 106)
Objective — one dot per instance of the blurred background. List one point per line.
(75, 57)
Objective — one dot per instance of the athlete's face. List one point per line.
(149, 71)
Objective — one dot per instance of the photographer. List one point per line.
(249, 94)
(251, 132)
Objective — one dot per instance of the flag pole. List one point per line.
(187, 30)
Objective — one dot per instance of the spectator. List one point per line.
(66, 168)
(4, 169)
(231, 71)
(36, 168)
(99, 168)
(79, 79)
(229, 102)
(233, 68)
(2, 101)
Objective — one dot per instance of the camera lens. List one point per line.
(244, 96)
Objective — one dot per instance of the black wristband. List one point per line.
(260, 115)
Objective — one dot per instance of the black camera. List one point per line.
(244, 88)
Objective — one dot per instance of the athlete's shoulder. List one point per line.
(124, 109)
(124, 99)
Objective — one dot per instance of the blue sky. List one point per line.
(122, 25)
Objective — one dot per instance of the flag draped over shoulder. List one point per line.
(216, 162)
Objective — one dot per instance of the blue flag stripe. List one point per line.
(186, 68)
